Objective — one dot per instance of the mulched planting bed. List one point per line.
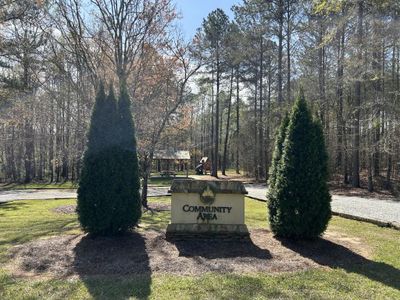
(159, 206)
(149, 252)
(65, 209)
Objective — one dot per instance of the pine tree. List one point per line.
(108, 193)
(299, 201)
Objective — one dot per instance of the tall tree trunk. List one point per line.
(390, 128)
(146, 167)
(201, 132)
(256, 167)
(11, 155)
(227, 126)
(268, 117)
(370, 159)
(321, 72)
(357, 102)
(216, 131)
(288, 55)
(377, 86)
(261, 151)
(212, 119)
(41, 154)
(370, 177)
(341, 131)
(28, 151)
(280, 48)
(237, 120)
(345, 168)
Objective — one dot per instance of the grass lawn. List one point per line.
(160, 181)
(378, 277)
(156, 181)
(64, 185)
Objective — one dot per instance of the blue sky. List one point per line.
(194, 11)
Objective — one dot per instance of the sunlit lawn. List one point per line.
(38, 185)
(23, 221)
(161, 181)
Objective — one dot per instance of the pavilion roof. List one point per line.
(172, 154)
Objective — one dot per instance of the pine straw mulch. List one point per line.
(149, 252)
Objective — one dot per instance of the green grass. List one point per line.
(159, 181)
(23, 221)
(164, 181)
(64, 185)
(375, 278)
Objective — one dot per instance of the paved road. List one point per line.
(375, 209)
(40, 194)
(35, 194)
(380, 210)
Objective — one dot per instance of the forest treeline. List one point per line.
(345, 54)
(222, 95)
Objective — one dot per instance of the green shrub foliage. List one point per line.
(108, 193)
(276, 157)
(129, 182)
(299, 199)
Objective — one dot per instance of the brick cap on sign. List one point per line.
(198, 186)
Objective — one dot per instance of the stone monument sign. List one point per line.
(200, 207)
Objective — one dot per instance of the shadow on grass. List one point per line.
(330, 254)
(37, 230)
(11, 206)
(216, 248)
(114, 267)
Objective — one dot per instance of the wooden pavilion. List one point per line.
(168, 162)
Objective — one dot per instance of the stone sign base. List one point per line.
(220, 231)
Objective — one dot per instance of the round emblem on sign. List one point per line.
(207, 196)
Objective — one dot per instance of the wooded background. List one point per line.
(221, 95)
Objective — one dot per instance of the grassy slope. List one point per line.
(24, 221)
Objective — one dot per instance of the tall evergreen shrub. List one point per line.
(108, 190)
(128, 181)
(299, 200)
(276, 157)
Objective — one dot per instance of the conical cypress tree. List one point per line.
(111, 107)
(96, 139)
(276, 157)
(108, 193)
(299, 201)
(127, 183)
(94, 192)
